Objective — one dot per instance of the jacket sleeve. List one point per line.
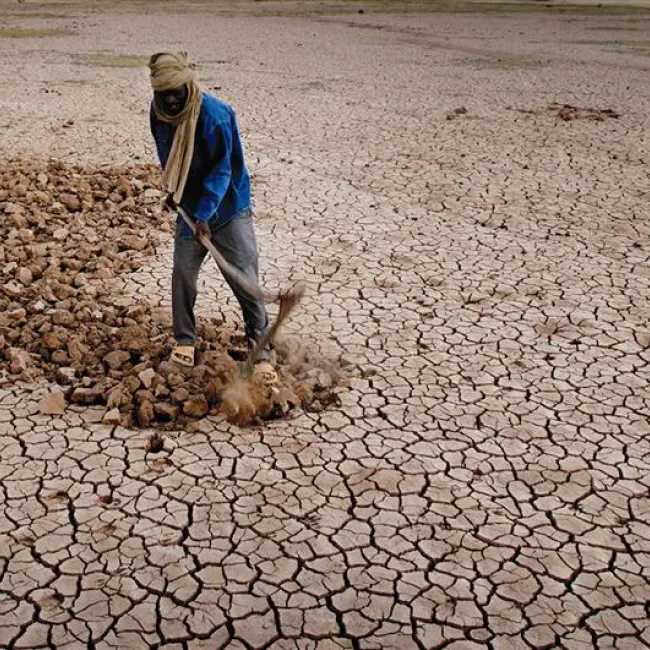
(219, 136)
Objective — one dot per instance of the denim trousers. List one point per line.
(236, 242)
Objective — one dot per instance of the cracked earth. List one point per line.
(466, 198)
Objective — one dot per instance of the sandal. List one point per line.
(264, 373)
(183, 355)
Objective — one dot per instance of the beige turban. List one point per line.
(170, 71)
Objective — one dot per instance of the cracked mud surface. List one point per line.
(485, 481)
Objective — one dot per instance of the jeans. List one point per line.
(236, 242)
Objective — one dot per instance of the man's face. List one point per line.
(171, 101)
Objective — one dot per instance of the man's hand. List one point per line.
(202, 230)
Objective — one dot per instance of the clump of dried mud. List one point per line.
(66, 234)
(461, 111)
(568, 113)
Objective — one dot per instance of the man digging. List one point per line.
(200, 150)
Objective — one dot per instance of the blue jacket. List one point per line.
(218, 185)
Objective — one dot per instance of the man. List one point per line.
(199, 147)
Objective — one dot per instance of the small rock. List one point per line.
(86, 395)
(38, 250)
(135, 242)
(196, 406)
(147, 376)
(193, 426)
(174, 380)
(155, 444)
(180, 395)
(116, 398)
(12, 289)
(71, 202)
(93, 415)
(24, 276)
(19, 360)
(144, 394)
(18, 220)
(60, 234)
(131, 384)
(51, 341)
(112, 417)
(63, 317)
(145, 413)
(166, 368)
(136, 341)
(12, 208)
(79, 280)
(161, 390)
(165, 411)
(116, 359)
(134, 311)
(53, 403)
(60, 357)
(65, 375)
(16, 316)
(77, 350)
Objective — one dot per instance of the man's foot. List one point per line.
(183, 355)
(264, 373)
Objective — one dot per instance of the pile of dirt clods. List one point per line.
(66, 235)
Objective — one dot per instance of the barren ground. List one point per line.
(480, 256)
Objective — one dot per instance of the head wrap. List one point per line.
(169, 71)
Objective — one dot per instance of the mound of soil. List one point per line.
(66, 234)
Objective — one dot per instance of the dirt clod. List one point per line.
(456, 113)
(112, 417)
(196, 406)
(155, 444)
(116, 359)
